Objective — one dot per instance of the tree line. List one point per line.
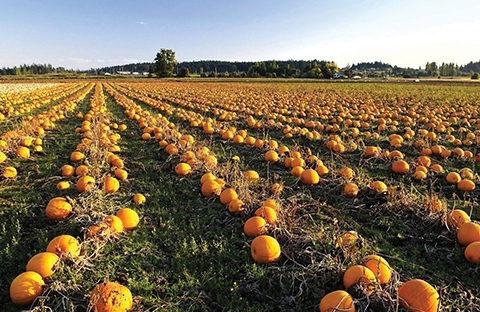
(34, 69)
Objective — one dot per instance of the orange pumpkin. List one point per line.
(346, 173)
(114, 222)
(268, 213)
(251, 176)
(228, 195)
(456, 218)
(236, 205)
(453, 178)
(468, 233)
(64, 245)
(358, 274)
(418, 295)
(43, 263)
(379, 266)
(99, 230)
(254, 226)
(23, 152)
(378, 186)
(81, 170)
(58, 208)
(129, 218)
(466, 185)
(183, 169)
(400, 166)
(350, 190)
(110, 184)
(63, 185)
(121, 174)
(210, 188)
(271, 156)
(9, 172)
(265, 249)
(85, 183)
(67, 170)
(310, 177)
(26, 287)
(472, 252)
(77, 156)
(139, 198)
(337, 301)
(110, 297)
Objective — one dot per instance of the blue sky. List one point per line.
(95, 33)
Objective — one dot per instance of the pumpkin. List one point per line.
(129, 218)
(183, 169)
(466, 185)
(276, 188)
(346, 239)
(472, 252)
(424, 161)
(456, 218)
(114, 222)
(419, 175)
(378, 186)
(146, 136)
(418, 295)
(265, 249)
(10, 172)
(63, 185)
(207, 176)
(346, 172)
(64, 245)
(236, 205)
(23, 152)
(322, 170)
(310, 177)
(117, 162)
(350, 190)
(272, 203)
(379, 266)
(372, 151)
(254, 226)
(43, 263)
(400, 166)
(67, 170)
(228, 195)
(110, 297)
(77, 156)
(268, 213)
(337, 301)
(85, 183)
(58, 208)
(100, 229)
(251, 176)
(3, 157)
(139, 199)
(467, 173)
(26, 287)
(468, 233)
(171, 149)
(271, 156)
(358, 274)
(121, 174)
(453, 178)
(110, 184)
(298, 162)
(437, 168)
(81, 170)
(297, 171)
(210, 188)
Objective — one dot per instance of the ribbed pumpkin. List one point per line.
(23, 152)
(85, 183)
(418, 295)
(400, 166)
(310, 177)
(472, 252)
(254, 226)
(358, 274)
(110, 184)
(110, 297)
(456, 218)
(265, 249)
(228, 195)
(379, 266)
(337, 301)
(183, 169)
(468, 233)
(268, 213)
(64, 245)
(77, 156)
(466, 185)
(43, 263)
(139, 199)
(114, 222)
(26, 287)
(236, 205)
(129, 218)
(58, 208)
(210, 188)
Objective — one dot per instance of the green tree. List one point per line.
(328, 69)
(185, 72)
(165, 63)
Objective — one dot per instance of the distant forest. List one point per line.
(270, 69)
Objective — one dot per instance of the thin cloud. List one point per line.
(142, 23)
